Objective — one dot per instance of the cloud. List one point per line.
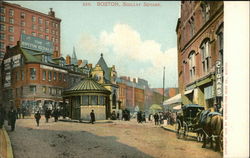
(132, 55)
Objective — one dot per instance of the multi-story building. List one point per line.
(33, 78)
(200, 52)
(16, 19)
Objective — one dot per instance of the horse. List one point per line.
(211, 127)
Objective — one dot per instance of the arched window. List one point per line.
(205, 55)
(220, 41)
(205, 10)
(192, 65)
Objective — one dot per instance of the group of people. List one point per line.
(141, 117)
(11, 115)
(48, 113)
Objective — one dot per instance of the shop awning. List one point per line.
(188, 91)
(177, 107)
(174, 99)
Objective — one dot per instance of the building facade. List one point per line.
(16, 19)
(200, 52)
(34, 79)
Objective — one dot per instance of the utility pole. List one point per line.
(163, 84)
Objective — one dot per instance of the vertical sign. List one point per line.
(218, 73)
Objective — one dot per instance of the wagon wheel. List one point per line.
(185, 130)
(221, 141)
(177, 128)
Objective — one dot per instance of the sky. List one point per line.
(138, 40)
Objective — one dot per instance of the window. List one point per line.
(47, 23)
(53, 91)
(2, 26)
(47, 30)
(44, 89)
(22, 15)
(56, 32)
(56, 25)
(2, 45)
(45, 58)
(205, 9)
(40, 35)
(205, 53)
(2, 10)
(2, 18)
(55, 75)
(50, 75)
(40, 28)
(50, 90)
(44, 75)
(192, 29)
(2, 36)
(192, 65)
(56, 40)
(33, 89)
(17, 76)
(85, 100)
(32, 73)
(22, 75)
(11, 21)
(11, 38)
(11, 12)
(33, 19)
(11, 29)
(33, 34)
(21, 91)
(46, 37)
(53, 32)
(60, 76)
(53, 24)
(101, 100)
(64, 77)
(94, 100)
(33, 27)
(22, 23)
(53, 39)
(23, 31)
(40, 20)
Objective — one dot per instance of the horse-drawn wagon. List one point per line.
(207, 124)
(186, 120)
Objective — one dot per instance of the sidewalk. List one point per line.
(5, 145)
(172, 129)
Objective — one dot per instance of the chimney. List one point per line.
(68, 60)
(51, 12)
(79, 62)
(90, 66)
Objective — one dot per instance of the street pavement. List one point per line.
(119, 139)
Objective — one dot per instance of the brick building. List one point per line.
(33, 78)
(200, 52)
(16, 19)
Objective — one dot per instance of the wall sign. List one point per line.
(35, 43)
(219, 81)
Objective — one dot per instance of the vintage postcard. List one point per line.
(128, 79)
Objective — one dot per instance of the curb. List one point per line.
(87, 122)
(171, 130)
(9, 147)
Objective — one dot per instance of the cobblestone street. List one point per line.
(107, 140)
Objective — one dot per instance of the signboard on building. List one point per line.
(16, 60)
(7, 64)
(219, 80)
(35, 43)
(7, 80)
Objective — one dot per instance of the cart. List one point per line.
(186, 122)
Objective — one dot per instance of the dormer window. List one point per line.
(45, 58)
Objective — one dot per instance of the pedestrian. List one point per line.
(12, 118)
(56, 115)
(92, 117)
(118, 116)
(37, 117)
(156, 118)
(2, 116)
(47, 115)
(23, 111)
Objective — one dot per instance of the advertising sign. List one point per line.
(37, 44)
(218, 73)
(7, 64)
(16, 60)
(7, 80)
